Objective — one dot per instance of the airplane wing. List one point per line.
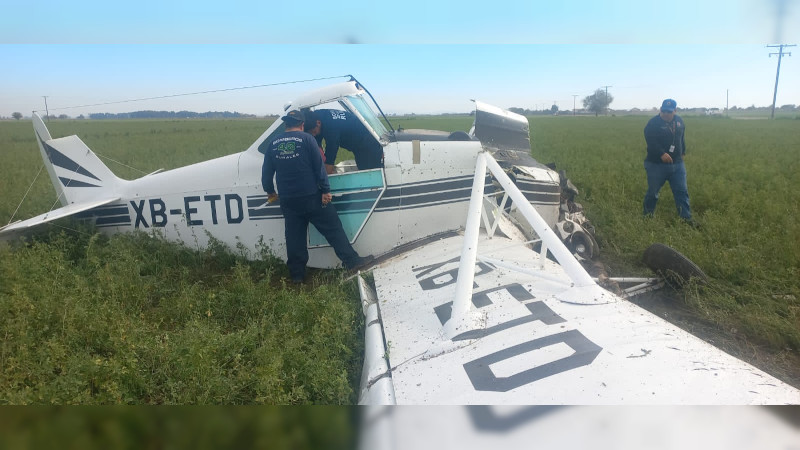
(483, 319)
(59, 213)
(541, 341)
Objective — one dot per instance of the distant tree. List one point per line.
(787, 107)
(598, 102)
(554, 109)
(63, 116)
(17, 115)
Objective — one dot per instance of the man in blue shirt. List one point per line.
(294, 159)
(341, 128)
(666, 147)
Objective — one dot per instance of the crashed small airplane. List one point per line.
(478, 296)
(423, 190)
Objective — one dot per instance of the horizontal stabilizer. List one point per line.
(65, 211)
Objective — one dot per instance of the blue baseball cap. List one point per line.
(294, 116)
(669, 105)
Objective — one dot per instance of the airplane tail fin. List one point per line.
(76, 172)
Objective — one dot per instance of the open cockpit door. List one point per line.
(355, 195)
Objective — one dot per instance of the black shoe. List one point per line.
(692, 223)
(360, 263)
(298, 281)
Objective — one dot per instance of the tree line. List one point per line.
(600, 100)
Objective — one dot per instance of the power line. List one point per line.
(196, 93)
(780, 54)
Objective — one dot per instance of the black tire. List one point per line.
(581, 244)
(459, 136)
(671, 265)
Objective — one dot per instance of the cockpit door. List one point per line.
(355, 195)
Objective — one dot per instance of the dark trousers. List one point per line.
(297, 213)
(369, 155)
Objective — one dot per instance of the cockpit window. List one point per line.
(368, 114)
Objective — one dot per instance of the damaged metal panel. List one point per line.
(500, 129)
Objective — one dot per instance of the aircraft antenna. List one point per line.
(121, 163)
(185, 94)
(26, 195)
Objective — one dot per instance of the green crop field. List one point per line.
(87, 319)
(743, 182)
(132, 320)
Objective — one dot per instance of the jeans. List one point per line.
(657, 175)
(297, 213)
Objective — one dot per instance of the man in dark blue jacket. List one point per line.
(294, 159)
(666, 148)
(340, 128)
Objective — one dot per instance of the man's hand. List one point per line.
(272, 198)
(330, 169)
(326, 198)
(665, 158)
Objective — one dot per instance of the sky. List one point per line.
(417, 57)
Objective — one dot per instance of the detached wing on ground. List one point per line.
(484, 319)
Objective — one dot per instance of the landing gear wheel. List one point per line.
(676, 269)
(582, 244)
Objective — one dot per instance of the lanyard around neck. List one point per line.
(671, 125)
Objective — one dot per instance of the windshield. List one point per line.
(368, 114)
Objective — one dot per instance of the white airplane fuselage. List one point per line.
(223, 199)
(422, 190)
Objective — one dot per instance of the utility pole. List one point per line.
(778, 73)
(574, 96)
(607, 102)
(46, 111)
